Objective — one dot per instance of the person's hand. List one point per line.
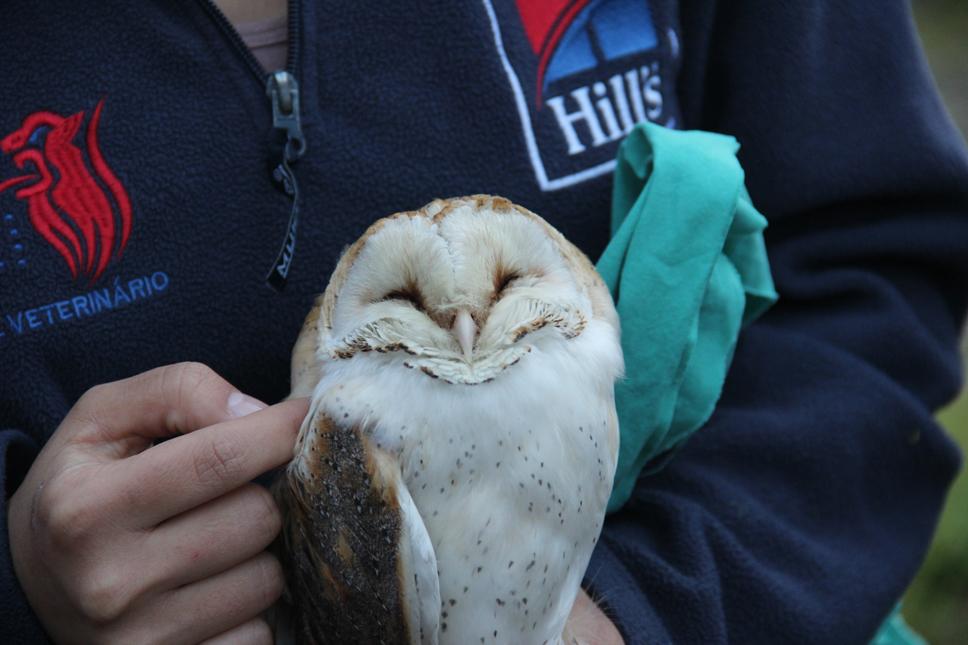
(588, 625)
(117, 540)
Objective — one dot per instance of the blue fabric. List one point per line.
(797, 514)
(800, 512)
(17, 621)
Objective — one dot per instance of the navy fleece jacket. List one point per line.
(138, 220)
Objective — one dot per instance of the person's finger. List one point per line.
(162, 402)
(254, 632)
(215, 605)
(178, 475)
(212, 538)
(587, 623)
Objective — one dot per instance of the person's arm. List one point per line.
(803, 509)
(20, 624)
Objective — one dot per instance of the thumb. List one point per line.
(124, 417)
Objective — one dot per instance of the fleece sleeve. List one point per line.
(802, 510)
(18, 624)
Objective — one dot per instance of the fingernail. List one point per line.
(240, 404)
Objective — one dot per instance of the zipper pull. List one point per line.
(283, 91)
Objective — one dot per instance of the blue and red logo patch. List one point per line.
(74, 201)
(583, 73)
(80, 209)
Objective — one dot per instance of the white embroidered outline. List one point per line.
(540, 173)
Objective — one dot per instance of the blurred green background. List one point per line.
(936, 605)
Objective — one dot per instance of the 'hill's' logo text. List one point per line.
(583, 73)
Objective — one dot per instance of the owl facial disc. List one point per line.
(460, 291)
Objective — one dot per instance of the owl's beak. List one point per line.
(464, 329)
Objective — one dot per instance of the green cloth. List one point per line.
(895, 631)
(687, 268)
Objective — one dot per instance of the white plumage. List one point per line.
(470, 351)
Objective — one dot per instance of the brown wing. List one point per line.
(348, 544)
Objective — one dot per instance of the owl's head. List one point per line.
(459, 290)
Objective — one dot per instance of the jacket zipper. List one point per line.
(283, 91)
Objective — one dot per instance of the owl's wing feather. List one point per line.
(361, 565)
(418, 562)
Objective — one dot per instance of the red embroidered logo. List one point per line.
(74, 200)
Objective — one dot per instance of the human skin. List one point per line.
(118, 539)
(240, 11)
(588, 624)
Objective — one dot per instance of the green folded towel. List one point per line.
(687, 268)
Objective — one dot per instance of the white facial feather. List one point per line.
(509, 454)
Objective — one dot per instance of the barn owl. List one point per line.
(450, 480)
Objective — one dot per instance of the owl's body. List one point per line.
(496, 457)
